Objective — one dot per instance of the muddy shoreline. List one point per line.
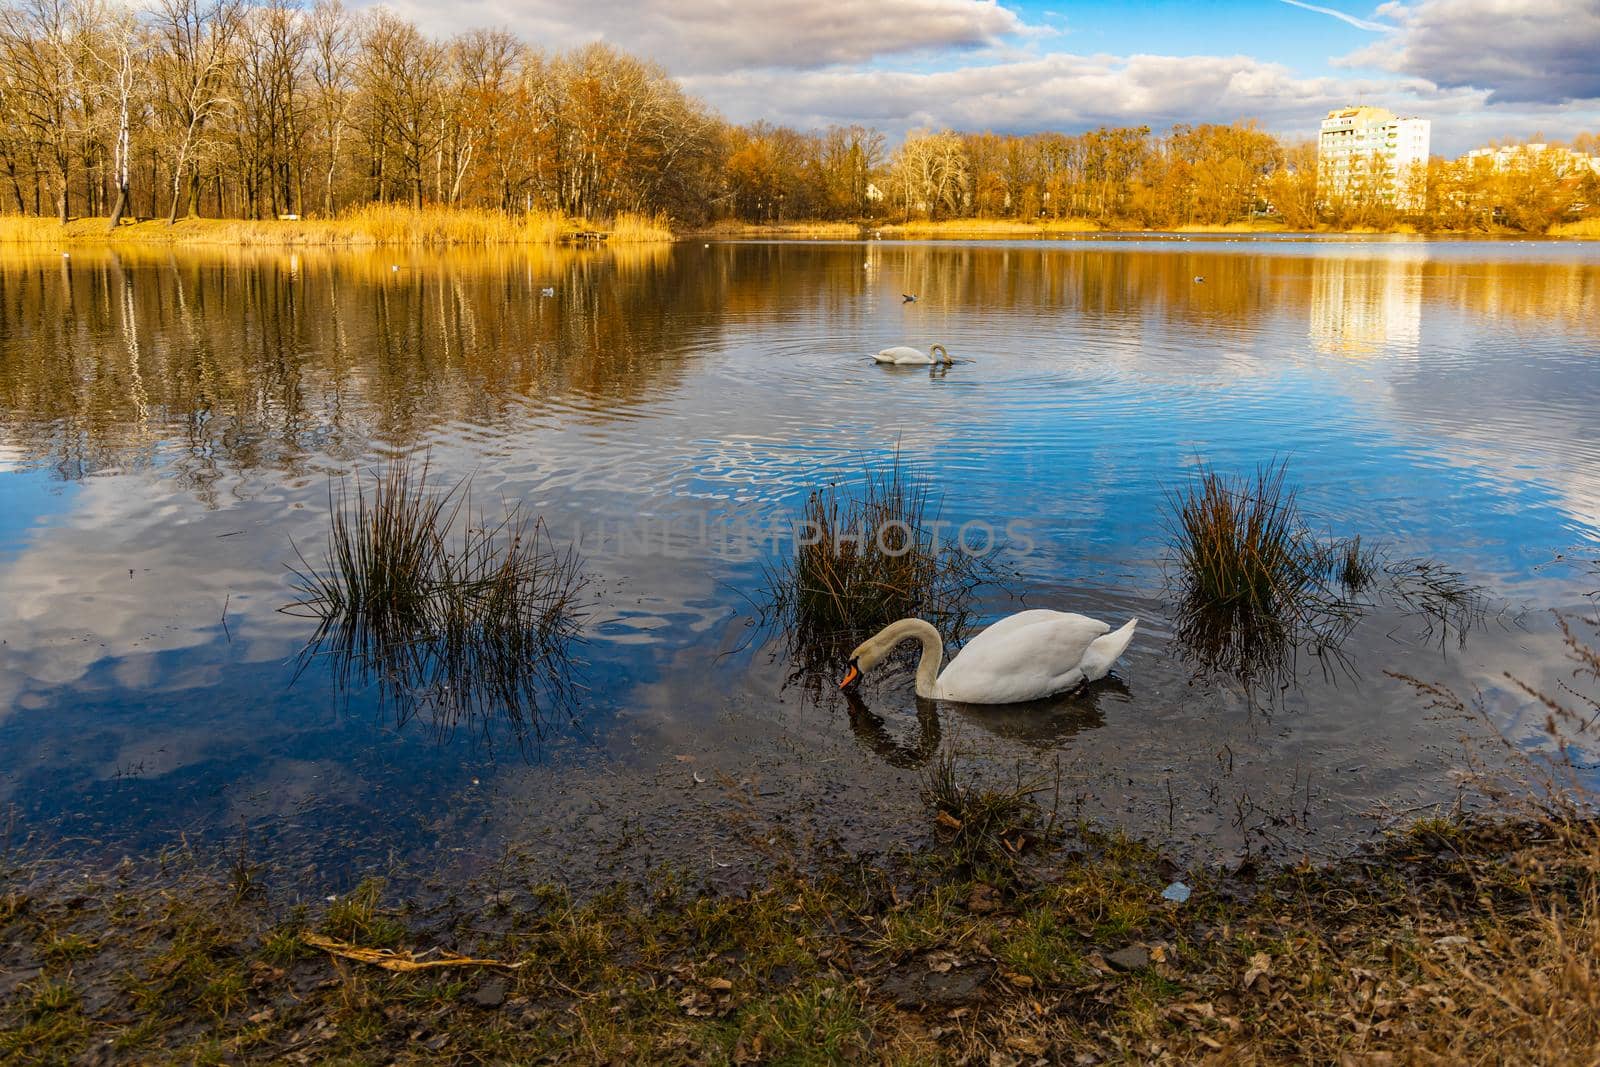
(1032, 940)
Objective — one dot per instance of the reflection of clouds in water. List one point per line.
(127, 573)
(1099, 372)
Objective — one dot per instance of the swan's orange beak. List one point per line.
(852, 677)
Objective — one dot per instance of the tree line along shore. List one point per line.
(303, 119)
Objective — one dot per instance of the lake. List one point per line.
(170, 423)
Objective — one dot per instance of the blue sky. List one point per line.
(1479, 69)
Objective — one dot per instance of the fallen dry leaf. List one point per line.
(1260, 964)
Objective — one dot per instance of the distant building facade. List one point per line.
(1563, 161)
(1356, 142)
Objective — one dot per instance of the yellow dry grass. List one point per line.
(987, 227)
(373, 224)
(1581, 228)
(1254, 226)
(735, 228)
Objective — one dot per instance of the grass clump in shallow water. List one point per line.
(866, 554)
(985, 830)
(1255, 584)
(1241, 544)
(450, 612)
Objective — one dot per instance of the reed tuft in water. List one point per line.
(867, 553)
(448, 612)
(1256, 585)
(1240, 543)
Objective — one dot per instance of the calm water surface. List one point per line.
(169, 424)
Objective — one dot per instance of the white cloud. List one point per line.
(1476, 67)
(692, 36)
(1520, 52)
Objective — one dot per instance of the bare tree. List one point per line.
(119, 52)
(400, 80)
(40, 43)
(333, 38)
(195, 39)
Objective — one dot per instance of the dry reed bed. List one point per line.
(1579, 228)
(986, 227)
(372, 225)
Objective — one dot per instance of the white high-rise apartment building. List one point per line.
(1353, 138)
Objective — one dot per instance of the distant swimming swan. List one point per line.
(906, 356)
(1026, 656)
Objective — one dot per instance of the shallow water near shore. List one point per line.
(170, 420)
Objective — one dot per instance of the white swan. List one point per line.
(906, 356)
(1026, 656)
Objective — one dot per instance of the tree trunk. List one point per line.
(120, 206)
(16, 187)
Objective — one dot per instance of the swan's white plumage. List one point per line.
(906, 356)
(1027, 656)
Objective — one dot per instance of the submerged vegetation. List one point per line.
(449, 613)
(1255, 584)
(869, 553)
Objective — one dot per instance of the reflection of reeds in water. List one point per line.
(1256, 585)
(450, 615)
(867, 555)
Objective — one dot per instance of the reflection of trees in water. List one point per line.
(241, 359)
(1371, 293)
(264, 360)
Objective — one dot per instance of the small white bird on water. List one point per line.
(1027, 656)
(906, 356)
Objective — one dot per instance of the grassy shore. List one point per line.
(1580, 228)
(377, 224)
(382, 225)
(958, 229)
(733, 228)
(1003, 941)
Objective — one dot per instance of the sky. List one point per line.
(1481, 70)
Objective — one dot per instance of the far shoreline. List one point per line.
(381, 226)
(990, 229)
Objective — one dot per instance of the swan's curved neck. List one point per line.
(932, 651)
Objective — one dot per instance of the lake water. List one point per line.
(170, 422)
